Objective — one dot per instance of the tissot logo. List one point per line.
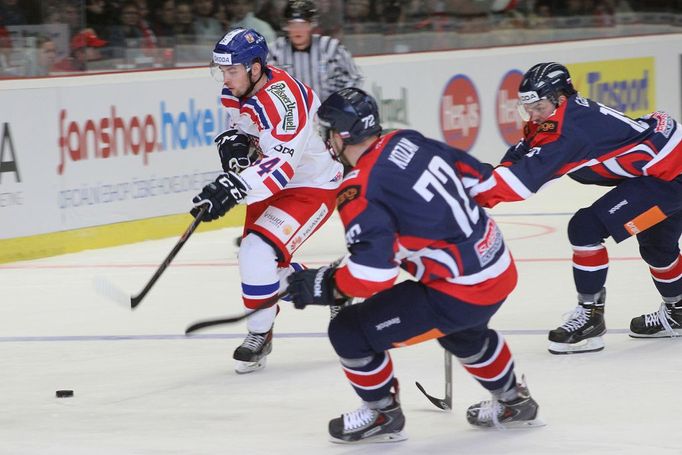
(8, 155)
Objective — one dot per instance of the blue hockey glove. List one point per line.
(236, 153)
(221, 195)
(515, 153)
(312, 287)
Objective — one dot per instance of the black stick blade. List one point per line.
(442, 404)
(211, 322)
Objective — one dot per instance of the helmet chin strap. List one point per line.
(252, 83)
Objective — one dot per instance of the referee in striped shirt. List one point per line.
(320, 62)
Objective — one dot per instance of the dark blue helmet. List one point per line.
(241, 46)
(545, 80)
(350, 112)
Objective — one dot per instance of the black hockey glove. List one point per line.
(236, 153)
(313, 287)
(221, 195)
(515, 153)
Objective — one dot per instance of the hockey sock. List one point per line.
(590, 266)
(668, 279)
(493, 365)
(371, 377)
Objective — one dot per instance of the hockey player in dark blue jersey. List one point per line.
(406, 204)
(594, 144)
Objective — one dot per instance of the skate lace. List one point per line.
(359, 418)
(576, 319)
(253, 341)
(661, 317)
(490, 411)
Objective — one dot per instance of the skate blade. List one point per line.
(515, 425)
(661, 334)
(386, 437)
(590, 345)
(241, 367)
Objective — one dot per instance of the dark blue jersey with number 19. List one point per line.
(407, 204)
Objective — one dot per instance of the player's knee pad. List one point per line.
(659, 255)
(347, 337)
(469, 342)
(256, 256)
(585, 228)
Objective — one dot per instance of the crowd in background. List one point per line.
(43, 37)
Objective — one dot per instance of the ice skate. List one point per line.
(583, 330)
(664, 323)
(366, 425)
(518, 411)
(251, 355)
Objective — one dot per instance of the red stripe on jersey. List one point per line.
(414, 243)
(669, 167)
(494, 367)
(229, 102)
(670, 273)
(489, 292)
(591, 258)
(357, 287)
(288, 170)
(627, 161)
(271, 185)
(372, 379)
(499, 193)
(465, 169)
(570, 166)
(253, 115)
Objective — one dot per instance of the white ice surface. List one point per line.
(142, 388)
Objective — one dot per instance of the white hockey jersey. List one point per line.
(281, 117)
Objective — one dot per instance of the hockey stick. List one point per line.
(232, 319)
(446, 403)
(136, 299)
(107, 289)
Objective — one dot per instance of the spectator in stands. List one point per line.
(163, 22)
(184, 22)
(271, 12)
(85, 47)
(244, 17)
(131, 32)
(360, 16)
(207, 29)
(97, 16)
(11, 13)
(44, 59)
(331, 18)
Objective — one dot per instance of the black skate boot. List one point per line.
(583, 330)
(513, 409)
(251, 355)
(664, 323)
(366, 425)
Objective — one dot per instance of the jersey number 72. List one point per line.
(435, 177)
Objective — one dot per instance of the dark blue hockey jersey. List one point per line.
(406, 204)
(593, 144)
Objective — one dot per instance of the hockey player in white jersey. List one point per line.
(275, 163)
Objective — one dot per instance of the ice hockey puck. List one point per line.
(64, 393)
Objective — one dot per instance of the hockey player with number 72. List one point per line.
(597, 145)
(275, 163)
(406, 204)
